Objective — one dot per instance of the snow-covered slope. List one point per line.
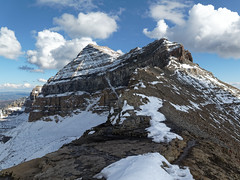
(35, 139)
(209, 92)
(92, 59)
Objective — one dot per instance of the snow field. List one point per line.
(151, 166)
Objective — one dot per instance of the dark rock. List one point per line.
(4, 139)
(31, 99)
(118, 74)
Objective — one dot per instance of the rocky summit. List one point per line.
(153, 99)
(100, 68)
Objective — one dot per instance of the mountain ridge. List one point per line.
(154, 100)
(117, 73)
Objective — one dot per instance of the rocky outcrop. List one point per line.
(96, 68)
(81, 75)
(32, 97)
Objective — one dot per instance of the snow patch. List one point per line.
(180, 108)
(124, 113)
(77, 93)
(112, 88)
(195, 105)
(155, 82)
(16, 108)
(158, 131)
(91, 132)
(151, 166)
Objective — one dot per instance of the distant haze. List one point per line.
(6, 96)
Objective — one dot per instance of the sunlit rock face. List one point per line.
(95, 68)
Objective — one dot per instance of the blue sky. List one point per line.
(38, 37)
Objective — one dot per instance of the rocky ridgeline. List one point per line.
(15, 108)
(137, 90)
(97, 68)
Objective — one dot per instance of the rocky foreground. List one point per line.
(156, 100)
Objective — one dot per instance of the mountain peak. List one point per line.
(90, 60)
(96, 48)
(100, 61)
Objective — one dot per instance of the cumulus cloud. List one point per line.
(76, 4)
(53, 51)
(95, 25)
(15, 86)
(159, 31)
(42, 80)
(171, 10)
(206, 29)
(46, 42)
(9, 46)
(38, 70)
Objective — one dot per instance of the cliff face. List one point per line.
(156, 100)
(96, 68)
(32, 97)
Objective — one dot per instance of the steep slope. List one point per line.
(91, 60)
(21, 140)
(86, 74)
(156, 100)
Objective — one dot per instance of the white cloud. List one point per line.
(27, 85)
(38, 70)
(205, 30)
(46, 42)
(15, 86)
(42, 80)
(95, 25)
(76, 4)
(53, 51)
(159, 31)
(170, 10)
(9, 46)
